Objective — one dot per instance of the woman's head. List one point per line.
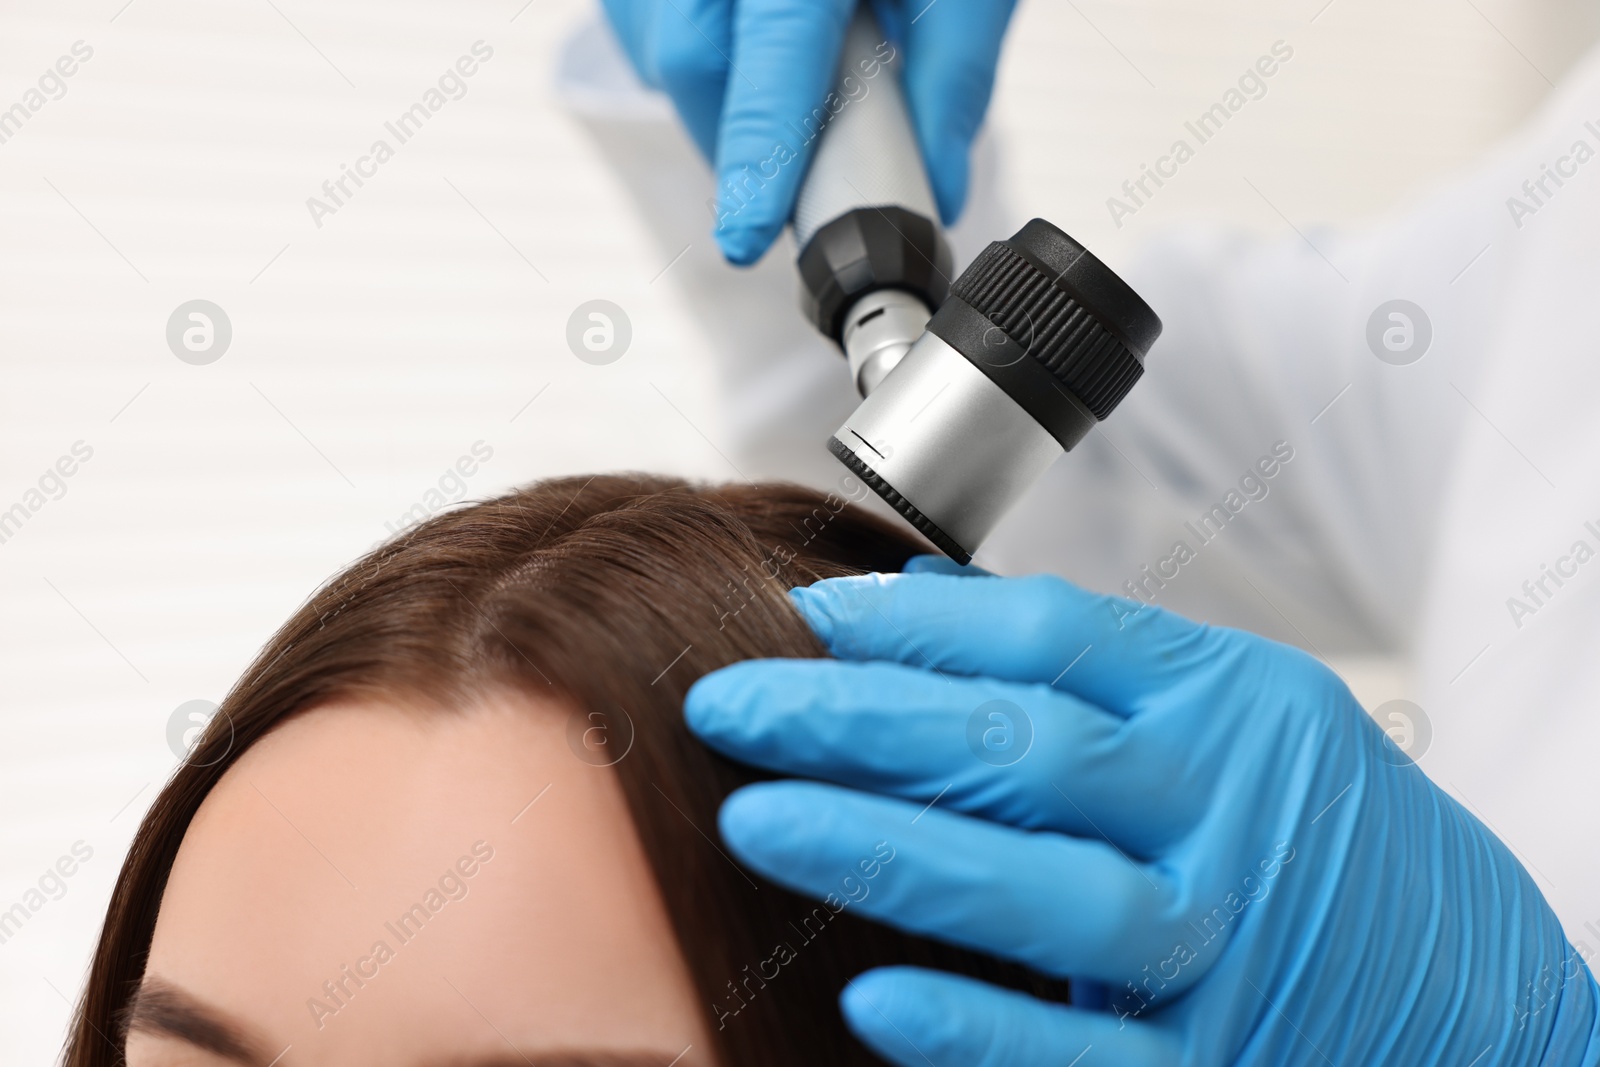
(451, 815)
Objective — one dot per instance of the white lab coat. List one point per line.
(1419, 498)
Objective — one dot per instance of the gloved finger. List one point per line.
(784, 57)
(683, 49)
(913, 1017)
(943, 565)
(633, 21)
(1024, 755)
(1118, 654)
(952, 49)
(1063, 906)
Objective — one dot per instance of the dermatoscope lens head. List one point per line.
(1037, 341)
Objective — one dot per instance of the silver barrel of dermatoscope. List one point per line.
(971, 387)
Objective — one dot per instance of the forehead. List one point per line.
(375, 884)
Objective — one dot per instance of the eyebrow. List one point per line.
(162, 1009)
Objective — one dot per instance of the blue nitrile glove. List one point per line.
(1200, 824)
(745, 75)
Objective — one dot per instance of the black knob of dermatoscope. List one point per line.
(867, 249)
(1051, 325)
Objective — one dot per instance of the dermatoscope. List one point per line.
(971, 387)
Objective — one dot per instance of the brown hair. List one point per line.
(613, 594)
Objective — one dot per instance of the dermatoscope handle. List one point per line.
(873, 264)
(867, 154)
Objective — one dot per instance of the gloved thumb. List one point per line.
(952, 51)
(785, 53)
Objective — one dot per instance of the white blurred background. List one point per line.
(368, 355)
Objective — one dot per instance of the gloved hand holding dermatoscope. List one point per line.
(1032, 345)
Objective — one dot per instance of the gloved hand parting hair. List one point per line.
(751, 78)
(1199, 823)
